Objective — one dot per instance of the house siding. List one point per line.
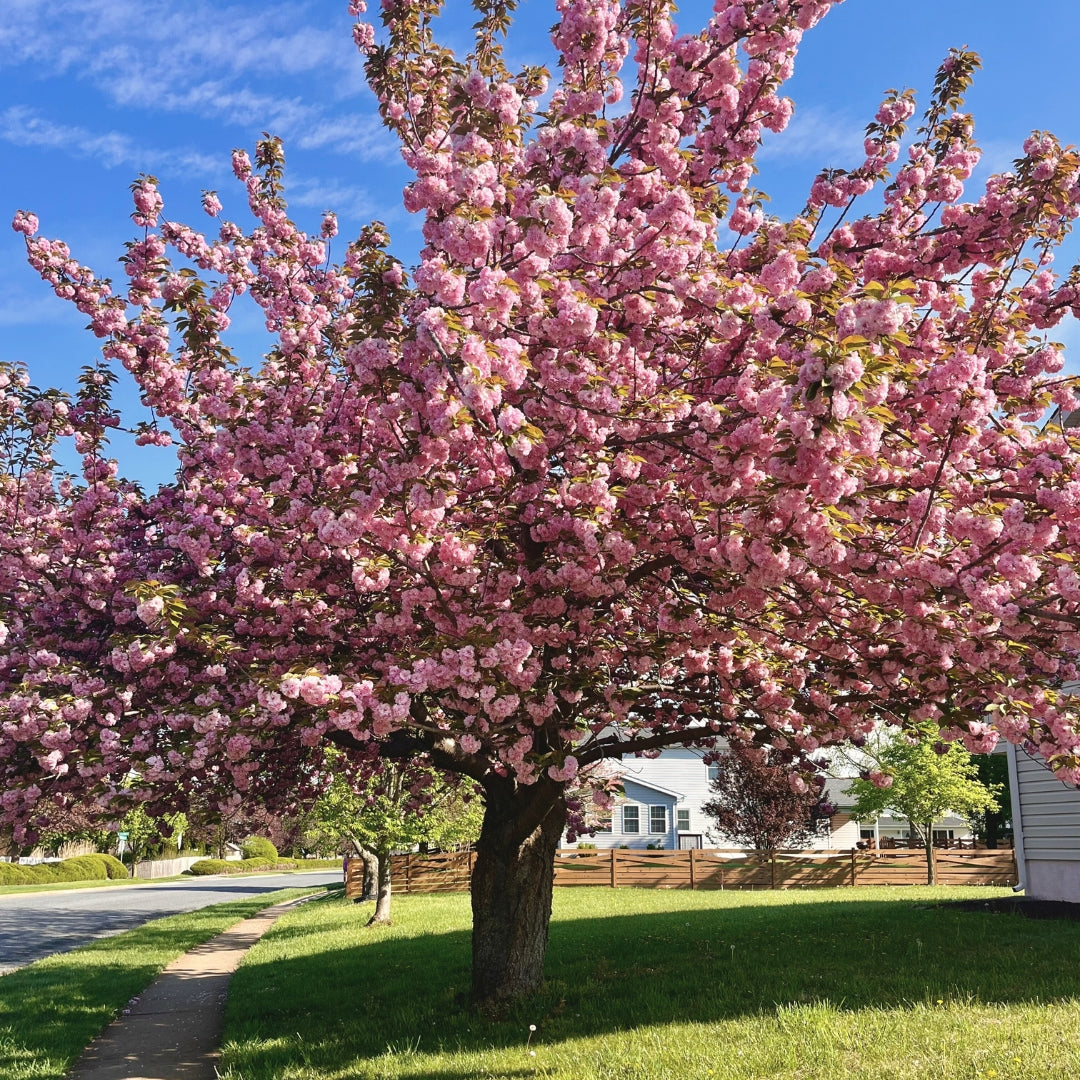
(1049, 812)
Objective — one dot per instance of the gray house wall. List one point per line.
(1046, 823)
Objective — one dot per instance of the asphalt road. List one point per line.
(39, 924)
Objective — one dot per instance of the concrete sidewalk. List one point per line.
(173, 1029)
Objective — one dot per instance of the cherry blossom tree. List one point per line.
(622, 463)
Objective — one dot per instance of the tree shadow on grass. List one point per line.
(355, 1004)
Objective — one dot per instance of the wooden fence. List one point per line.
(719, 869)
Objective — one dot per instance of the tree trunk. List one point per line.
(511, 887)
(382, 890)
(371, 871)
(928, 842)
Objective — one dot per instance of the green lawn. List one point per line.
(867, 984)
(51, 1010)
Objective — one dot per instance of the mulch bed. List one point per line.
(1020, 905)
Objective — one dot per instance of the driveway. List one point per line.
(36, 925)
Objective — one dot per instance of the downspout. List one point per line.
(1017, 820)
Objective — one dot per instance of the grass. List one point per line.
(51, 1010)
(854, 984)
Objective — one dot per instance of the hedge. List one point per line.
(80, 868)
(247, 866)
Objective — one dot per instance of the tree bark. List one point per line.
(371, 871)
(382, 890)
(512, 886)
(928, 842)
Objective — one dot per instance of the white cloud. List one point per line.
(23, 309)
(23, 126)
(344, 199)
(828, 139)
(268, 65)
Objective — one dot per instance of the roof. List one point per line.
(653, 786)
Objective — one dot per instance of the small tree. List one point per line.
(377, 814)
(141, 831)
(761, 802)
(924, 779)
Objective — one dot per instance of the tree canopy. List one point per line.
(757, 800)
(924, 779)
(622, 463)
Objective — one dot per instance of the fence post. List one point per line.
(614, 872)
(852, 867)
(772, 869)
(693, 880)
(408, 872)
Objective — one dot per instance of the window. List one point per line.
(714, 773)
(630, 822)
(658, 819)
(682, 820)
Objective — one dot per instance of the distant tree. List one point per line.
(761, 801)
(142, 831)
(924, 779)
(396, 807)
(993, 773)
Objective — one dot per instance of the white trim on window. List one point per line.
(658, 820)
(631, 819)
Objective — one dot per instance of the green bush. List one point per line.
(113, 866)
(11, 874)
(39, 874)
(258, 847)
(208, 866)
(81, 868)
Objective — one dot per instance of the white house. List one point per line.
(662, 807)
(662, 804)
(1046, 829)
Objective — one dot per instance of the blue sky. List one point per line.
(95, 92)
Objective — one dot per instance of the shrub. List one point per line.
(11, 874)
(40, 874)
(80, 868)
(209, 866)
(258, 847)
(114, 868)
